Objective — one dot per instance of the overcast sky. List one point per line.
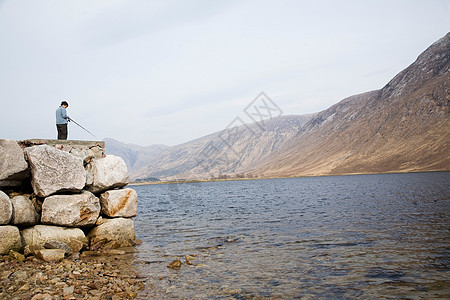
(166, 72)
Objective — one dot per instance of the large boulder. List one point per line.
(106, 173)
(55, 171)
(77, 210)
(38, 235)
(13, 167)
(119, 203)
(24, 212)
(9, 239)
(5, 209)
(120, 230)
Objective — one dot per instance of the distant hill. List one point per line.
(215, 155)
(133, 155)
(403, 127)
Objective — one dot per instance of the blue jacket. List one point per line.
(61, 115)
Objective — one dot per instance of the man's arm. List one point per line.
(64, 114)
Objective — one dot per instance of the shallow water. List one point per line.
(364, 236)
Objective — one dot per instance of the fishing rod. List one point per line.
(72, 120)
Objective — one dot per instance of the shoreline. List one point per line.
(87, 276)
(286, 177)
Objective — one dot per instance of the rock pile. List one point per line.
(64, 197)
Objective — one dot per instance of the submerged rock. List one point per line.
(175, 265)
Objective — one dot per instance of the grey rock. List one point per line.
(106, 173)
(58, 245)
(13, 167)
(75, 210)
(120, 230)
(9, 239)
(24, 212)
(119, 203)
(55, 171)
(83, 153)
(5, 209)
(38, 235)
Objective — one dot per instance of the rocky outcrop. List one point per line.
(106, 173)
(77, 210)
(120, 230)
(54, 171)
(5, 209)
(10, 239)
(13, 167)
(38, 235)
(24, 212)
(119, 203)
(62, 210)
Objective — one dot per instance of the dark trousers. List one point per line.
(62, 131)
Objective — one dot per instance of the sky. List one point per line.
(166, 72)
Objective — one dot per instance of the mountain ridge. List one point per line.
(402, 127)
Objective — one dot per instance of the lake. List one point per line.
(336, 237)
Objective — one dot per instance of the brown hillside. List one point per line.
(403, 127)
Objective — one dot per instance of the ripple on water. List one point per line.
(366, 236)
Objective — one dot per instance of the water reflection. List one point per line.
(368, 236)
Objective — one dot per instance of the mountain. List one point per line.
(133, 155)
(403, 127)
(232, 151)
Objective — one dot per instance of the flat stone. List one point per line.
(6, 209)
(54, 171)
(119, 203)
(13, 167)
(77, 210)
(50, 254)
(58, 245)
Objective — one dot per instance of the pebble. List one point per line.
(71, 279)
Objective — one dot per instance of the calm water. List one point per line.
(365, 236)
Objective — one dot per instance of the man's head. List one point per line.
(65, 104)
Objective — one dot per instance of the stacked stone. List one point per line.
(79, 199)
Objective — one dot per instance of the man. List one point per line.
(61, 120)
